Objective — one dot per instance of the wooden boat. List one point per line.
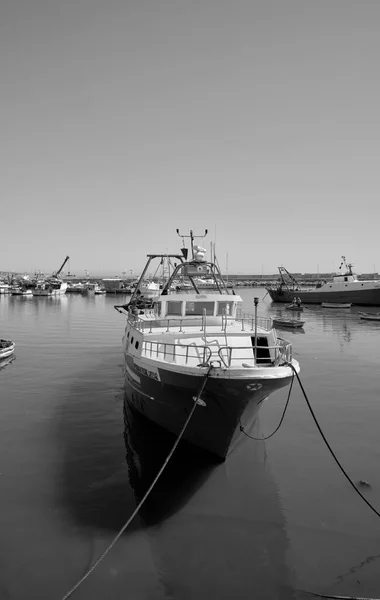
(294, 307)
(336, 305)
(294, 323)
(178, 342)
(369, 316)
(7, 347)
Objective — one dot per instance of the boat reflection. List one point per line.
(147, 446)
(216, 526)
(4, 362)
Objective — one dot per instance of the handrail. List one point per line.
(247, 322)
(249, 318)
(282, 352)
(203, 353)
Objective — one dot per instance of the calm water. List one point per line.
(274, 519)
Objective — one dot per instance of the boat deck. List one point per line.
(193, 342)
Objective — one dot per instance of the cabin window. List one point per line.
(174, 308)
(132, 338)
(225, 308)
(197, 308)
(136, 345)
(346, 279)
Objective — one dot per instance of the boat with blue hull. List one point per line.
(178, 342)
(345, 287)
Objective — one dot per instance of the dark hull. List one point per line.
(213, 427)
(358, 297)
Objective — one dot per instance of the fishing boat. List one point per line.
(179, 342)
(20, 291)
(336, 305)
(51, 286)
(345, 287)
(294, 323)
(369, 316)
(7, 347)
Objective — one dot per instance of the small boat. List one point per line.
(99, 289)
(294, 323)
(19, 291)
(180, 343)
(6, 348)
(336, 305)
(294, 307)
(369, 316)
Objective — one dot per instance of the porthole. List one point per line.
(132, 338)
(128, 335)
(136, 345)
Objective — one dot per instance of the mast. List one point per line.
(192, 238)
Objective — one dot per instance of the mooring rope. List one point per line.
(147, 493)
(295, 374)
(321, 595)
(278, 426)
(329, 447)
(339, 597)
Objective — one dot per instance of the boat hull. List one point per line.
(361, 297)
(293, 324)
(47, 292)
(168, 398)
(369, 317)
(7, 351)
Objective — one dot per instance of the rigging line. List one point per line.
(147, 493)
(280, 423)
(330, 449)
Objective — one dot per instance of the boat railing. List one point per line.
(151, 320)
(188, 354)
(147, 324)
(248, 321)
(276, 355)
(230, 356)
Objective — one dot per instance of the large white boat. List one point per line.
(4, 287)
(51, 286)
(345, 287)
(179, 341)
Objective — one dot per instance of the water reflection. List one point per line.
(93, 482)
(218, 529)
(4, 362)
(147, 446)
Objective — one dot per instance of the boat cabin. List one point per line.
(192, 305)
(348, 277)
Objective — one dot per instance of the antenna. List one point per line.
(192, 238)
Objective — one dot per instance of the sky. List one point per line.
(123, 120)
